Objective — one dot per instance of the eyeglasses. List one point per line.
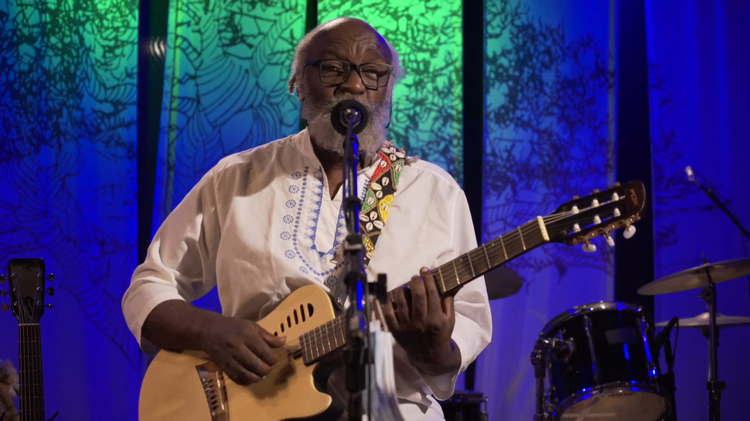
(335, 72)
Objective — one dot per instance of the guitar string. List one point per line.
(327, 329)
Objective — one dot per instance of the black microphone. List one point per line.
(662, 337)
(347, 110)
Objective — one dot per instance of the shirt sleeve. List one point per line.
(181, 260)
(473, 329)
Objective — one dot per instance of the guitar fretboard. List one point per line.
(30, 364)
(449, 276)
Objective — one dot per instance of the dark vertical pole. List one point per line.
(311, 21)
(634, 258)
(152, 36)
(473, 120)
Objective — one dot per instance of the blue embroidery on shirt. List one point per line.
(309, 228)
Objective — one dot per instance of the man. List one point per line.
(264, 222)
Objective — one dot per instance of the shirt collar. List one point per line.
(303, 142)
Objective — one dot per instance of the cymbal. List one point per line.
(502, 282)
(701, 321)
(696, 277)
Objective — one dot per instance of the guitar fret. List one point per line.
(489, 265)
(505, 252)
(522, 242)
(458, 281)
(442, 281)
(471, 265)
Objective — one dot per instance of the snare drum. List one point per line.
(605, 371)
(465, 406)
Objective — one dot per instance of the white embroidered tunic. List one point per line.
(262, 223)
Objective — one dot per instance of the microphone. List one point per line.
(663, 336)
(690, 173)
(347, 110)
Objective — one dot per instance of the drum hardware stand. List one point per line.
(544, 348)
(667, 382)
(714, 386)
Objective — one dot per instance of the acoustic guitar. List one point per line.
(187, 386)
(26, 279)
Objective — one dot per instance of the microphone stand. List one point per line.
(714, 198)
(357, 349)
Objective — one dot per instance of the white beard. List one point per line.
(325, 136)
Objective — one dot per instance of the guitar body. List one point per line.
(173, 389)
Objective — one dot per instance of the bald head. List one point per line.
(339, 38)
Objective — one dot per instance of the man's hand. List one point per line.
(241, 348)
(423, 324)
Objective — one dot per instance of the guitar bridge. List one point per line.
(212, 380)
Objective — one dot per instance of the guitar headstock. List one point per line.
(598, 214)
(26, 279)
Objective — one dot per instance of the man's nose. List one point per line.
(353, 84)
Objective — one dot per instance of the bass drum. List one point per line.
(606, 371)
(465, 406)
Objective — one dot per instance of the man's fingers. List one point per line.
(273, 341)
(433, 296)
(447, 303)
(390, 315)
(402, 308)
(418, 299)
(239, 374)
(252, 362)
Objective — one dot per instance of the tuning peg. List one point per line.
(3, 293)
(50, 291)
(610, 240)
(597, 220)
(51, 277)
(49, 306)
(616, 213)
(2, 279)
(574, 209)
(589, 248)
(629, 232)
(596, 190)
(576, 228)
(618, 184)
(615, 197)
(4, 307)
(594, 203)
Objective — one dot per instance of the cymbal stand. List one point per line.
(714, 386)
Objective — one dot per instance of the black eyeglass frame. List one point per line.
(352, 66)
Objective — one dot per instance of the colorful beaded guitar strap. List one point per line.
(376, 204)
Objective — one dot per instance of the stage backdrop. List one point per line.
(68, 192)
(68, 147)
(549, 136)
(699, 54)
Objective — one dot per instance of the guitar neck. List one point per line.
(30, 364)
(449, 276)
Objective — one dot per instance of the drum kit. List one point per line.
(602, 359)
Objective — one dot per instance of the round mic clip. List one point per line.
(344, 111)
